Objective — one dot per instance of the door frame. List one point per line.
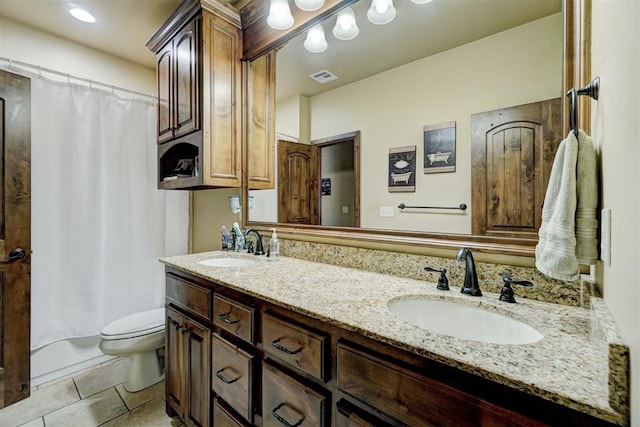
(339, 139)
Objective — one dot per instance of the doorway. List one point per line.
(319, 183)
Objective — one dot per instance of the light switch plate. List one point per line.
(605, 235)
(386, 211)
(345, 209)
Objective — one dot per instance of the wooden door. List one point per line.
(512, 152)
(164, 76)
(15, 237)
(186, 103)
(298, 168)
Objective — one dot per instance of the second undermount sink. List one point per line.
(462, 321)
(228, 262)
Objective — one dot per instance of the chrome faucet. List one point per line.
(259, 247)
(470, 285)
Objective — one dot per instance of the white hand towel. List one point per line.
(556, 249)
(587, 205)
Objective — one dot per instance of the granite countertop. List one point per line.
(568, 366)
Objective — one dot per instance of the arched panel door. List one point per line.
(512, 152)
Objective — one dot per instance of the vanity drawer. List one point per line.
(223, 418)
(411, 398)
(295, 345)
(232, 376)
(347, 415)
(234, 317)
(286, 400)
(188, 295)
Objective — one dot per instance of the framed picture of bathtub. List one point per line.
(402, 169)
(440, 148)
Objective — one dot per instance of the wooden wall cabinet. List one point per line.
(198, 54)
(236, 360)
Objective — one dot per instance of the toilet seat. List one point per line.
(135, 325)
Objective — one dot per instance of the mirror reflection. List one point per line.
(392, 122)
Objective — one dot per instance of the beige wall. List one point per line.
(26, 44)
(616, 130)
(514, 67)
(210, 211)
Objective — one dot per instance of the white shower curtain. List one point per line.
(99, 223)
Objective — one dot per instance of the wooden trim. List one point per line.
(259, 38)
(345, 137)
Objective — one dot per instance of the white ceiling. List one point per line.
(123, 27)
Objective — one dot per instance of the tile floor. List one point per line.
(90, 398)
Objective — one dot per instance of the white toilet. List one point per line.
(140, 338)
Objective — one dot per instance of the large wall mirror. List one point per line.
(401, 98)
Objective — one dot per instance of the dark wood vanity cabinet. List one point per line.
(198, 52)
(236, 360)
(187, 365)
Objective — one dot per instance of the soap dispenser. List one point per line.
(274, 245)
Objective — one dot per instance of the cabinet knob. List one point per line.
(282, 420)
(284, 349)
(224, 379)
(224, 317)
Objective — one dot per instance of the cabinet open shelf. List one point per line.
(179, 162)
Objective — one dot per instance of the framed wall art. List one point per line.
(402, 169)
(440, 148)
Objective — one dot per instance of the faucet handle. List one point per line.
(443, 282)
(506, 293)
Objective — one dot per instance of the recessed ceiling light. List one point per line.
(82, 15)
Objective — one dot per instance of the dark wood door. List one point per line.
(298, 168)
(186, 93)
(15, 237)
(199, 373)
(175, 353)
(164, 61)
(512, 152)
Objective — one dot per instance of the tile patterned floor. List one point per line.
(90, 398)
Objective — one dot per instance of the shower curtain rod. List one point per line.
(91, 83)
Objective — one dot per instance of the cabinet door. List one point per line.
(261, 123)
(186, 94)
(198, 357)
(175, 363)
(222, 49)
(165, 92)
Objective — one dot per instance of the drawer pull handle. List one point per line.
(175, 323)
(225, 379)
(281, 418)
(284, 349)
(225, 318)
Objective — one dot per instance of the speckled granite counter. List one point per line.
(581, 362)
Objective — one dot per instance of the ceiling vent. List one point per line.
(323, 76)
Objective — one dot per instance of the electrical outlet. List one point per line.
(386, 211)
(605, 235)
(345, 209)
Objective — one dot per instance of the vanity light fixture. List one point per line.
(309, 5)
(82, 15)
(280, 17)
(346, 27)
(381, 12)
(315, 41)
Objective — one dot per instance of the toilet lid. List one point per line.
(136, 324)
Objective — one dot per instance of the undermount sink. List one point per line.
(462, 321)
(228, 262)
